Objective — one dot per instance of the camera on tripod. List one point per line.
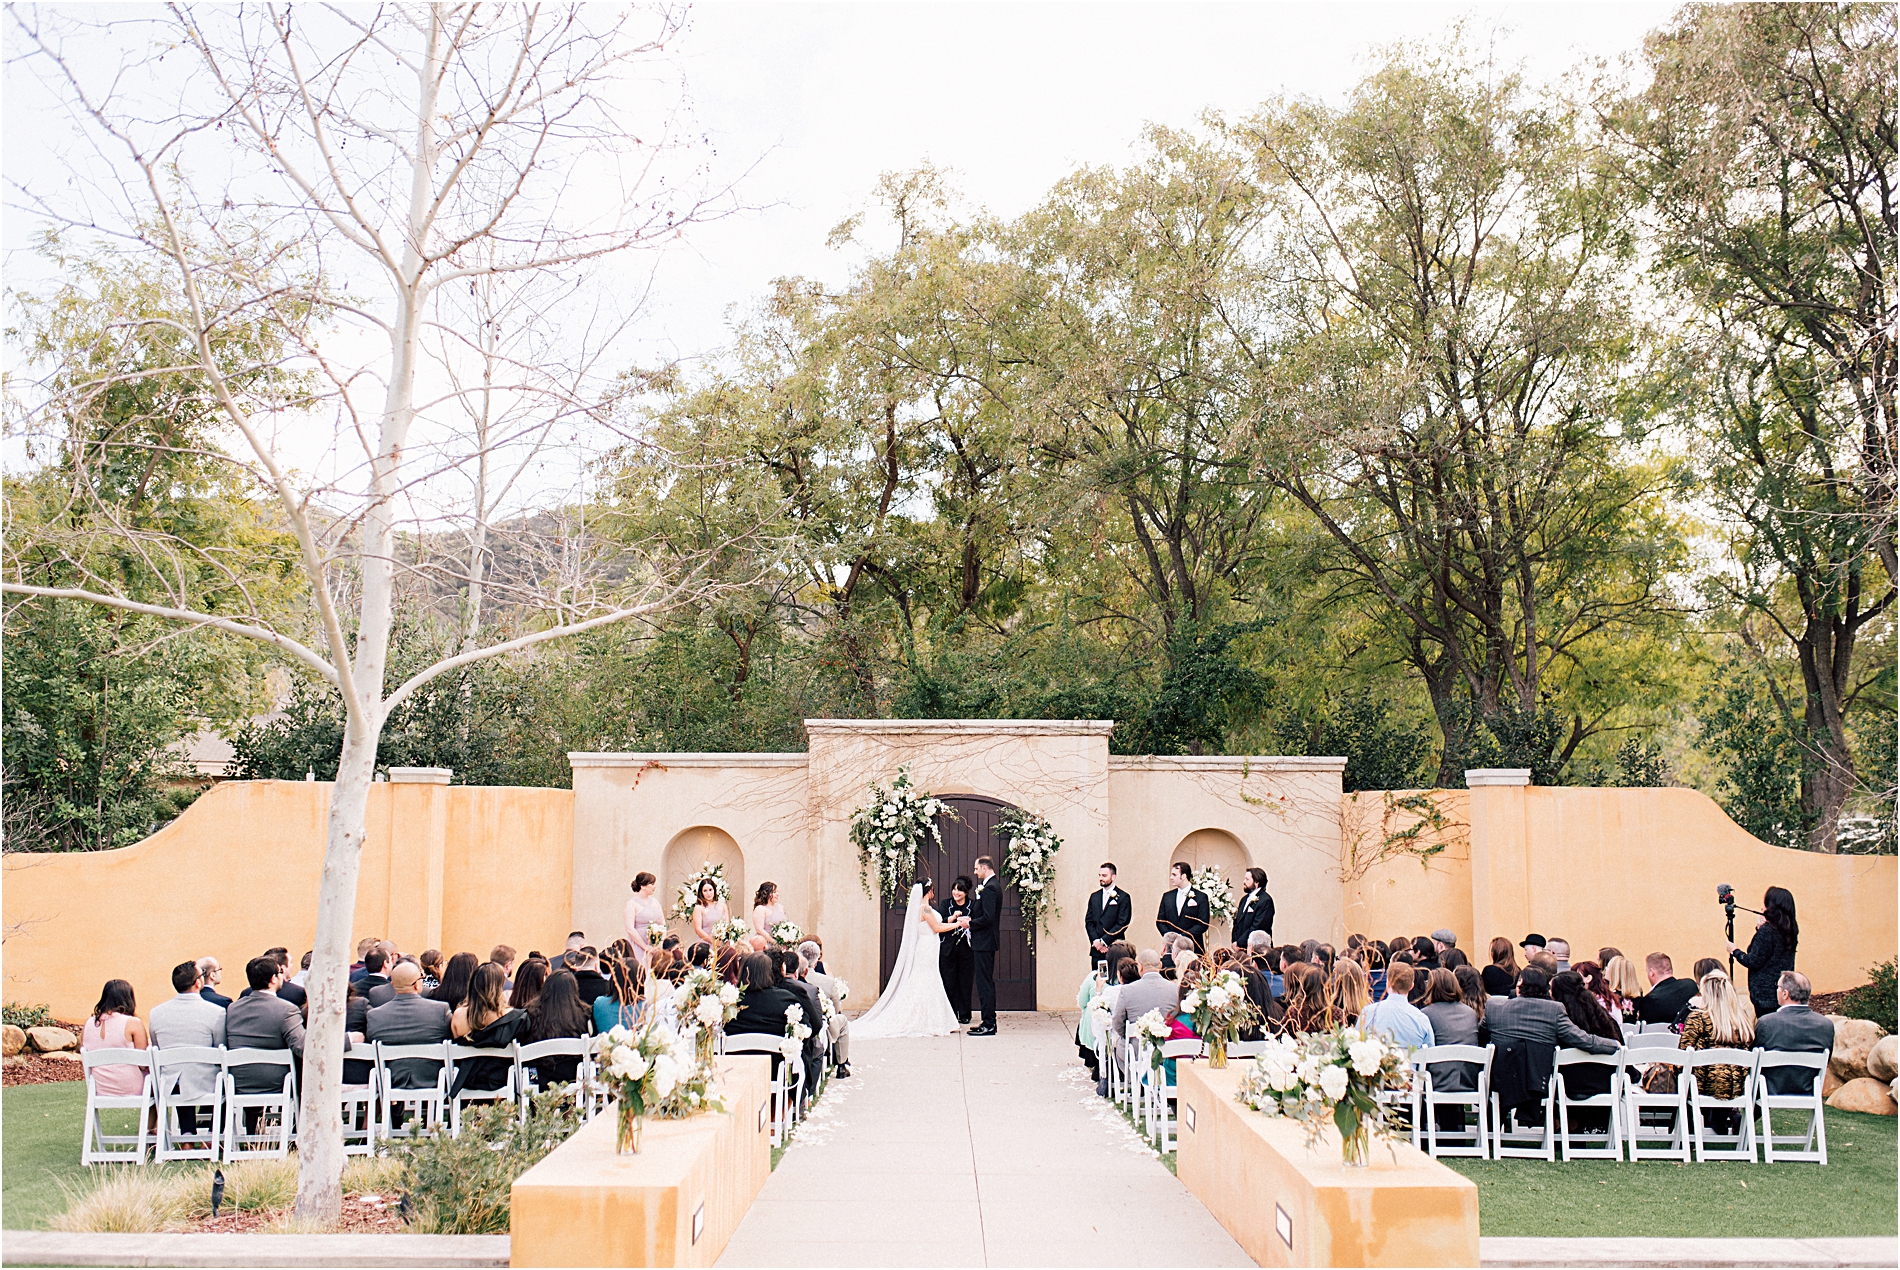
(1725, 896)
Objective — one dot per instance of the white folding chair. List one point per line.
(171, 1067)
(1409, 1100)
(276, 1105)
(507, 1091)
(359, 1116)
(96, 1146)
(1812, 1144)
(761, 1043)
(423, 1107)
(1161, 1088)
(1511, 1140)
(1474, 1142)
(1709, 1143)
(1607, 1145)
(1662, 1134)
(579, 1048)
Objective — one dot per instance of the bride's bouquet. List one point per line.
(1029, 865)
(1321, 1075)
(1221, 1012)
(787, 934)
(889, 831)
(734, 930)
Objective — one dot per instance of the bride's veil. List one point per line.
(906, 954)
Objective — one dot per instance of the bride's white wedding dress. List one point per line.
(913, 1003)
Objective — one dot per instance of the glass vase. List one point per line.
(1355, 1148)
(627, 1128)
(1217, 1051)
(707, 1044)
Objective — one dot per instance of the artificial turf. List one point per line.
(39, 1144)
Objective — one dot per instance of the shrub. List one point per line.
(127, 1199)
(1876, 1000)
(26, 1015)
(459, 1186)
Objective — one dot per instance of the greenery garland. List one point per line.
(888, 832)
(1029, 865)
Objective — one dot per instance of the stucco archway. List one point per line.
(1216, 847)
(704, 844)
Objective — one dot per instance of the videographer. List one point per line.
(1771, 951)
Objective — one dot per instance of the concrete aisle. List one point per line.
(990, 1151)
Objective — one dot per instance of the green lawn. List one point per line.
(1853, 1195)
(39, 1142)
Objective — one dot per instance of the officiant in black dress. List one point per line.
(956, 960)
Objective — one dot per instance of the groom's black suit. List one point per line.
(986, 921)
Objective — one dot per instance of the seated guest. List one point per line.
(1396, 1018)
(1471, 989)
(576, 940)
(1452, 958)
(791, 970)
(1348, 992)
(763, 1000)
(1667, 994)
(1253, 970)
(431, 963)
(357, 968)
(700, 954)
(1605, 953)
(486, 1021)
(302, 977)
(210, 973)
(1625, 985)
(1793, 1027)
(356, 1026)
(1444, 939)
(1544, 962)
(115, 1025)
(1560, 949)
(1571, 990)
(504, 956)
(840, 1025)
(1452, 1023)
(624, 1003)
(556, 1012)
(1722, 1020)
(373, 977)
(1148, 992)
(1528, 1029)
(1307, 1006)
(585, 963)
(1702, 967)
(455, 979)
(260, 1019)
(409, 1018)
(185, 1021)
(286, 989)
(1500, 977)
(1597, 986)
(528, 981)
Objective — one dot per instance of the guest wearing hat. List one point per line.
(1444, 940)
(1531, 943)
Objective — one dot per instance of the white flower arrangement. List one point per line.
(787, 934)
(1219, 892)
(1335, 1075)
(656, 934)
(734, 930)
(797, 1031)
(889, 831)
(1029, 865)
(704, 1001)
(1157, 1028)
(687, 897)
(1220, 1008)
(655, 1072)
(844, 989)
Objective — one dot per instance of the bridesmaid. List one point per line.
(767, 912)
(708, 912)
(644, 910)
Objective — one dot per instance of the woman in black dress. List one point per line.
(1771, 951)
(956, 961)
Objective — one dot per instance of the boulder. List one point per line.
(12, 1040)
(1854, 1040)
(48, 1040)
(1830, 1083)
(1864, 1094)
(1883, 1060)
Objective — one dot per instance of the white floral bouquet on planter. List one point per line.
(1221, 1012)
(787, 934)
(1335, 1075)
(1029, 865)
(687, 897)
(703, 1003)
(653, 1072)
(734, 930)
(889, 831)
(797, 1031)
(1220, 894)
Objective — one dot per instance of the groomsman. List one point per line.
(1110, 911)
(1256, 907)
(1184, 908)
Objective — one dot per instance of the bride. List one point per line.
(913, 1003)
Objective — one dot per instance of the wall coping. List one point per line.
(1478, 777)
(420, 775)
(795, 758)
(962, 727)
(1227, 763)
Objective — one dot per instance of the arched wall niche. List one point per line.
(1216, 847)
(704, 844)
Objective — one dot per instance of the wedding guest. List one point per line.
(1721, 1021)
(1148, 992)
(556, 1012)
(430, 963)
(357, 967)
(115, 1025)
(1667, 995)
(286, 989)
(504, 956)
(455, 980)
(1571, 990)
(486, 1021)
(1471, 989)
(1771, 951)
(1348, 992)
(188, 1020)
(1395, 1017)
(1452, 1023)
(1307, 1009)
(624, 1003)
(1626, 986)
(212, 974)
(529, 981)
(1597, 986)
(708, 913)
(1560, 949)
(763, 1000)
(767, 912)
(643, 912)
(372, 977)
(1792, 1027)
(260, 1019)
(585, 963)
(576, 940)
(791, 969)
(409, 1019)
(840, 1025)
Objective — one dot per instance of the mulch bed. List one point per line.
(359, 1218)
(1829, 1002)
(28, 1068)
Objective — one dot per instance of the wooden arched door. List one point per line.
(967, 834)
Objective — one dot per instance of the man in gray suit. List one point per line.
(409, 1018)
(808, 954)
(1794, 1028)
(260, 1019)
(1150, 992)
(1532, 1016)
(187, 1021)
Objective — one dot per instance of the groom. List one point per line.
(986, 919)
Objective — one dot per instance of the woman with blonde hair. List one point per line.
(1724, 1020)
(1348, 992)
(1622, 978)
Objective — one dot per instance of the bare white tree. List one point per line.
(331, 175)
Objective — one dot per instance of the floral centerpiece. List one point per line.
(654, 1072)
(1337, 1074)
(1029, 865)
(1157, 1028)
(1221, 1012)
(734, 930)
(787, 934)
(702, 1004)
(888, 832)
(687, 897)
(1220, 894)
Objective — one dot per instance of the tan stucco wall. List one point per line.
(237, 873)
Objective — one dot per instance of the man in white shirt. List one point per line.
(1109, 913)
(1184, 908)
(1394, 1017)
(185, 1021)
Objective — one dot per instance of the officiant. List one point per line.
(956, 961)
(1110, 911)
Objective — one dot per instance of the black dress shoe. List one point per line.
(982, 1030)
(843, 1072)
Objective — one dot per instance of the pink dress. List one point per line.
(641, 913)
(117, 1080)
